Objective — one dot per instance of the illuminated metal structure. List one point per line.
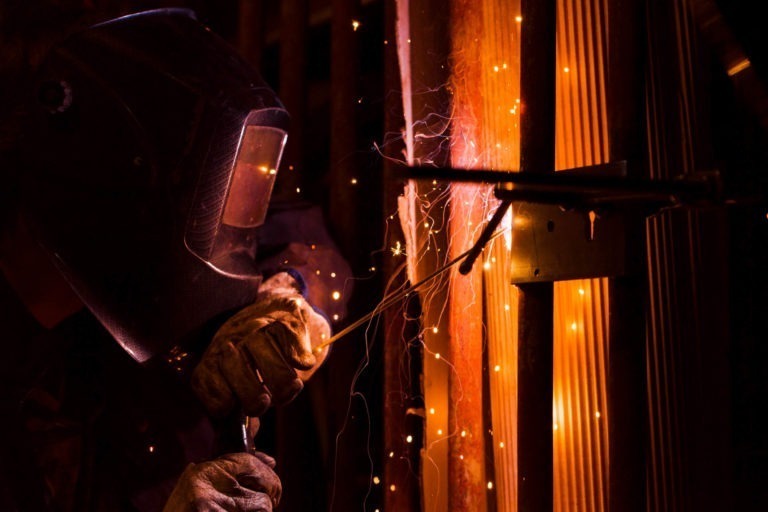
(596, 412)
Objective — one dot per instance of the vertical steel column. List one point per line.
(627, 404)
(534, 430)
(401, 469)
(537, 154)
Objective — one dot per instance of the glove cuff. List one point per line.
(280, 281)
(301, 284)
(285, 280)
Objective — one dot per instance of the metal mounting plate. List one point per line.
(549, 244)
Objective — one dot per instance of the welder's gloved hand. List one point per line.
(263, 354)
(236, 482)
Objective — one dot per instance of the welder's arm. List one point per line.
(263, 354)
(236, 482)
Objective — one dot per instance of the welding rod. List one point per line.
(395, 297)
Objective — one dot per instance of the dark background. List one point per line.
(327, 442)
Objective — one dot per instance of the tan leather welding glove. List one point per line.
(263, 354)
(236, 482)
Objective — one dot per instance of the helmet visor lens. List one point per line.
(253, 177)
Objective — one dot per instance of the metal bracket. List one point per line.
(552, 244)
(573, 224)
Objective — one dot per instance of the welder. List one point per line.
(148, 155)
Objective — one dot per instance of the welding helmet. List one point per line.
(152, 156)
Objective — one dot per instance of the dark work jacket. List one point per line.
(84, 426)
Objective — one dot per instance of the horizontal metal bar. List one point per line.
(600, 184)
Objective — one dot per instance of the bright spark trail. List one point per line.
(394, 298)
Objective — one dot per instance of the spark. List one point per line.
(355, 25)
(739, 67)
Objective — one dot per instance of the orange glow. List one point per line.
(739, 67)
(485, 132)
(581, 307)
